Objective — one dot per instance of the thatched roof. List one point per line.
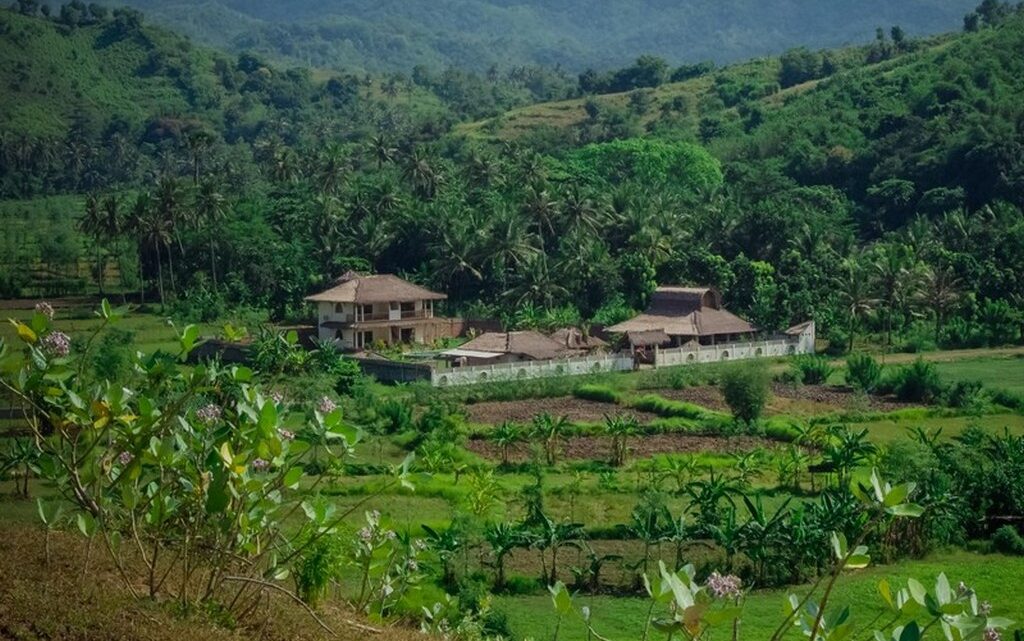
(796, 330)
(573, 338)
(380, 288)
(531, 344)
(685, 311)
(648, 338)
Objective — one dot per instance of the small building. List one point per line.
(491, 348)
(681, 315)
(360, 310)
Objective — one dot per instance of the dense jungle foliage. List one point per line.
(873, 189)
(474, 34)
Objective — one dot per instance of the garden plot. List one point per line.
(574, 409)
(600, 447)
(792, 400)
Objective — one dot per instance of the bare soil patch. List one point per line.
(600, 447)
(575, 409)
(800, 400)
(67, 600)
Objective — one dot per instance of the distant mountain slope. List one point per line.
(398, 34)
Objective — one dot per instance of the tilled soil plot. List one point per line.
(575, 409)
(615, 573)
(600, 447)
(825, 398)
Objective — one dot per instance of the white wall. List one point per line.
(531, 369)
(781, 346)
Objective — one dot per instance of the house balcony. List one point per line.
(384, 318)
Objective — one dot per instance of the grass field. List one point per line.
(621, 619)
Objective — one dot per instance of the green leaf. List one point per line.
(105, 309)
(188, 338)
(561, 598)
(86, 524)
(858, 561)
(896, 495)
(886, 592)
(911, 632)
(906, 509)
(292, 477)
(242, 374)
(917, 590)
(839, 544)
(942, 590)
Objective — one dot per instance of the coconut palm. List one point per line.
(209, 209)
(91, 224)
(941, 290)
(856, 297)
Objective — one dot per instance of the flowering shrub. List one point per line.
(200, 497)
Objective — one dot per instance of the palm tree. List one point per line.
(855, 295)
(537, 285)
(209, 207)
(154, 232)
(332, 167)
(168, 207)
(91, 224)
(580, 213)
(940, 291)
(197, 143)
(422, 175)
(382, 150)
(894, 277)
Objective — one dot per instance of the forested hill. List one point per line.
(873, 187)
(577, 34)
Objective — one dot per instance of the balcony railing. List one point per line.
(394, 315)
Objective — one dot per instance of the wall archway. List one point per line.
(725, 356)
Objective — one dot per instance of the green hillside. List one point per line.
(874, 188)
(576, 34)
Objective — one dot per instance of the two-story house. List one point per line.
(358, 311)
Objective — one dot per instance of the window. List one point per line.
(367, 311)
(338, 308)
(408, 335)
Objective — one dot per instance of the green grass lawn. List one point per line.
(994, 577)
(996, 373)
(889, 430)
(151, 332)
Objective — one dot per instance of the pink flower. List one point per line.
(56, 343)
(991, 634)
(724, 586)
(45, 309)
(209, 414)
(277, 396)
(124, 458)
(326, 405)
(366, 534)
(286, 435)
(985, 608)
(260, 465)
